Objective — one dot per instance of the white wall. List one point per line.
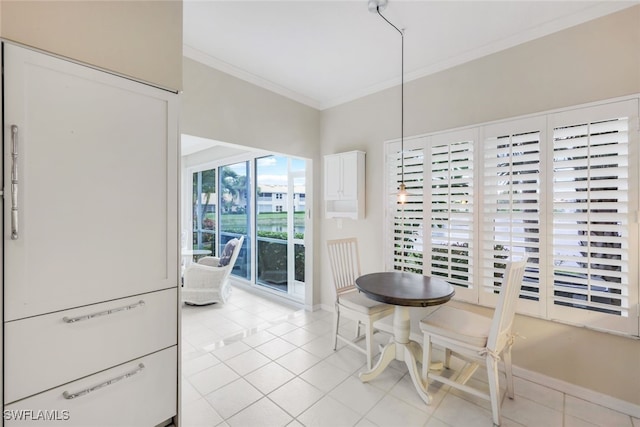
(590, 62)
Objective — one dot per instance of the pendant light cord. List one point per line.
(401, 94)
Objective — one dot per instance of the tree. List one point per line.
(233, 188)
(207, 187)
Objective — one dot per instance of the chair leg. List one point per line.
(447, 358)
(426, 358)
(357, 329)
(494, 388)
(509, 371)
(336, 324)
(369, 343)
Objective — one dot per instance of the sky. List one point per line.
(272, 170)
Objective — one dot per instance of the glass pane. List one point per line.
(235, 203)
(299, 204)
(272, 198)
(204, 200)
(299, 270)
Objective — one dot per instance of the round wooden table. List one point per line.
(403, 290)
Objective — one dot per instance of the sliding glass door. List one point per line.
(263, 199)
(280, 215)
(271, 222)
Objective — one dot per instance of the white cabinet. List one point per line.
(344, 185)
(90, 255)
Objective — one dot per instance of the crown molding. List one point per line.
(208, 60)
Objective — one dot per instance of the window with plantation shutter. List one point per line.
(451, 205)
(405, 246)
(559, 189)
(512, 206)
(592, 231)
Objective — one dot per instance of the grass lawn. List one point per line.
(264, 220)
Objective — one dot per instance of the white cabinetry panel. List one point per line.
(42, 360)
(146, 398)
(97, 186)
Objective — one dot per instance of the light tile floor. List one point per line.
(255, 362)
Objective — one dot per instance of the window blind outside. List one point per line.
(451, 206)
(592, 232)
(512, 207)
(407, 220)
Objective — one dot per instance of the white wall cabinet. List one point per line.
(344, 193)
(90, 242)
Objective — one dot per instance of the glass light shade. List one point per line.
(402, 194)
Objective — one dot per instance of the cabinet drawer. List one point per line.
(49, 350)
(142, 392)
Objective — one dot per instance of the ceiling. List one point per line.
(324, 53)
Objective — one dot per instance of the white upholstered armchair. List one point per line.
(207, 281)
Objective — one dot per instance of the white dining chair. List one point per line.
(345, 267)
(476, 339)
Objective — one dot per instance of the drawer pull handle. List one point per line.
(14, 182)
(66, 319)
(68, 395)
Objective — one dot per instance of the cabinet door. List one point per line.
(97, 185)
(332, 177)
(350, 169)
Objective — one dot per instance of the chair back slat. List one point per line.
(344, 260)
(506, 308)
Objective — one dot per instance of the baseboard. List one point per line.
(316, 307)
(329, 308)
(579, 392)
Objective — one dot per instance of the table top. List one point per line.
(189, 252)
(408, 289)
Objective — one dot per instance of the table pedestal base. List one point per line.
(402, 349)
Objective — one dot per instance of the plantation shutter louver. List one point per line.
(451, 206)
(407, 220)
(512, 207)
(591, 220)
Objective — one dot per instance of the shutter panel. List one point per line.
(512, 207)
(592, 230)
(451, 206)
(406, 229)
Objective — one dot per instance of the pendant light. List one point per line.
(376, 6)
